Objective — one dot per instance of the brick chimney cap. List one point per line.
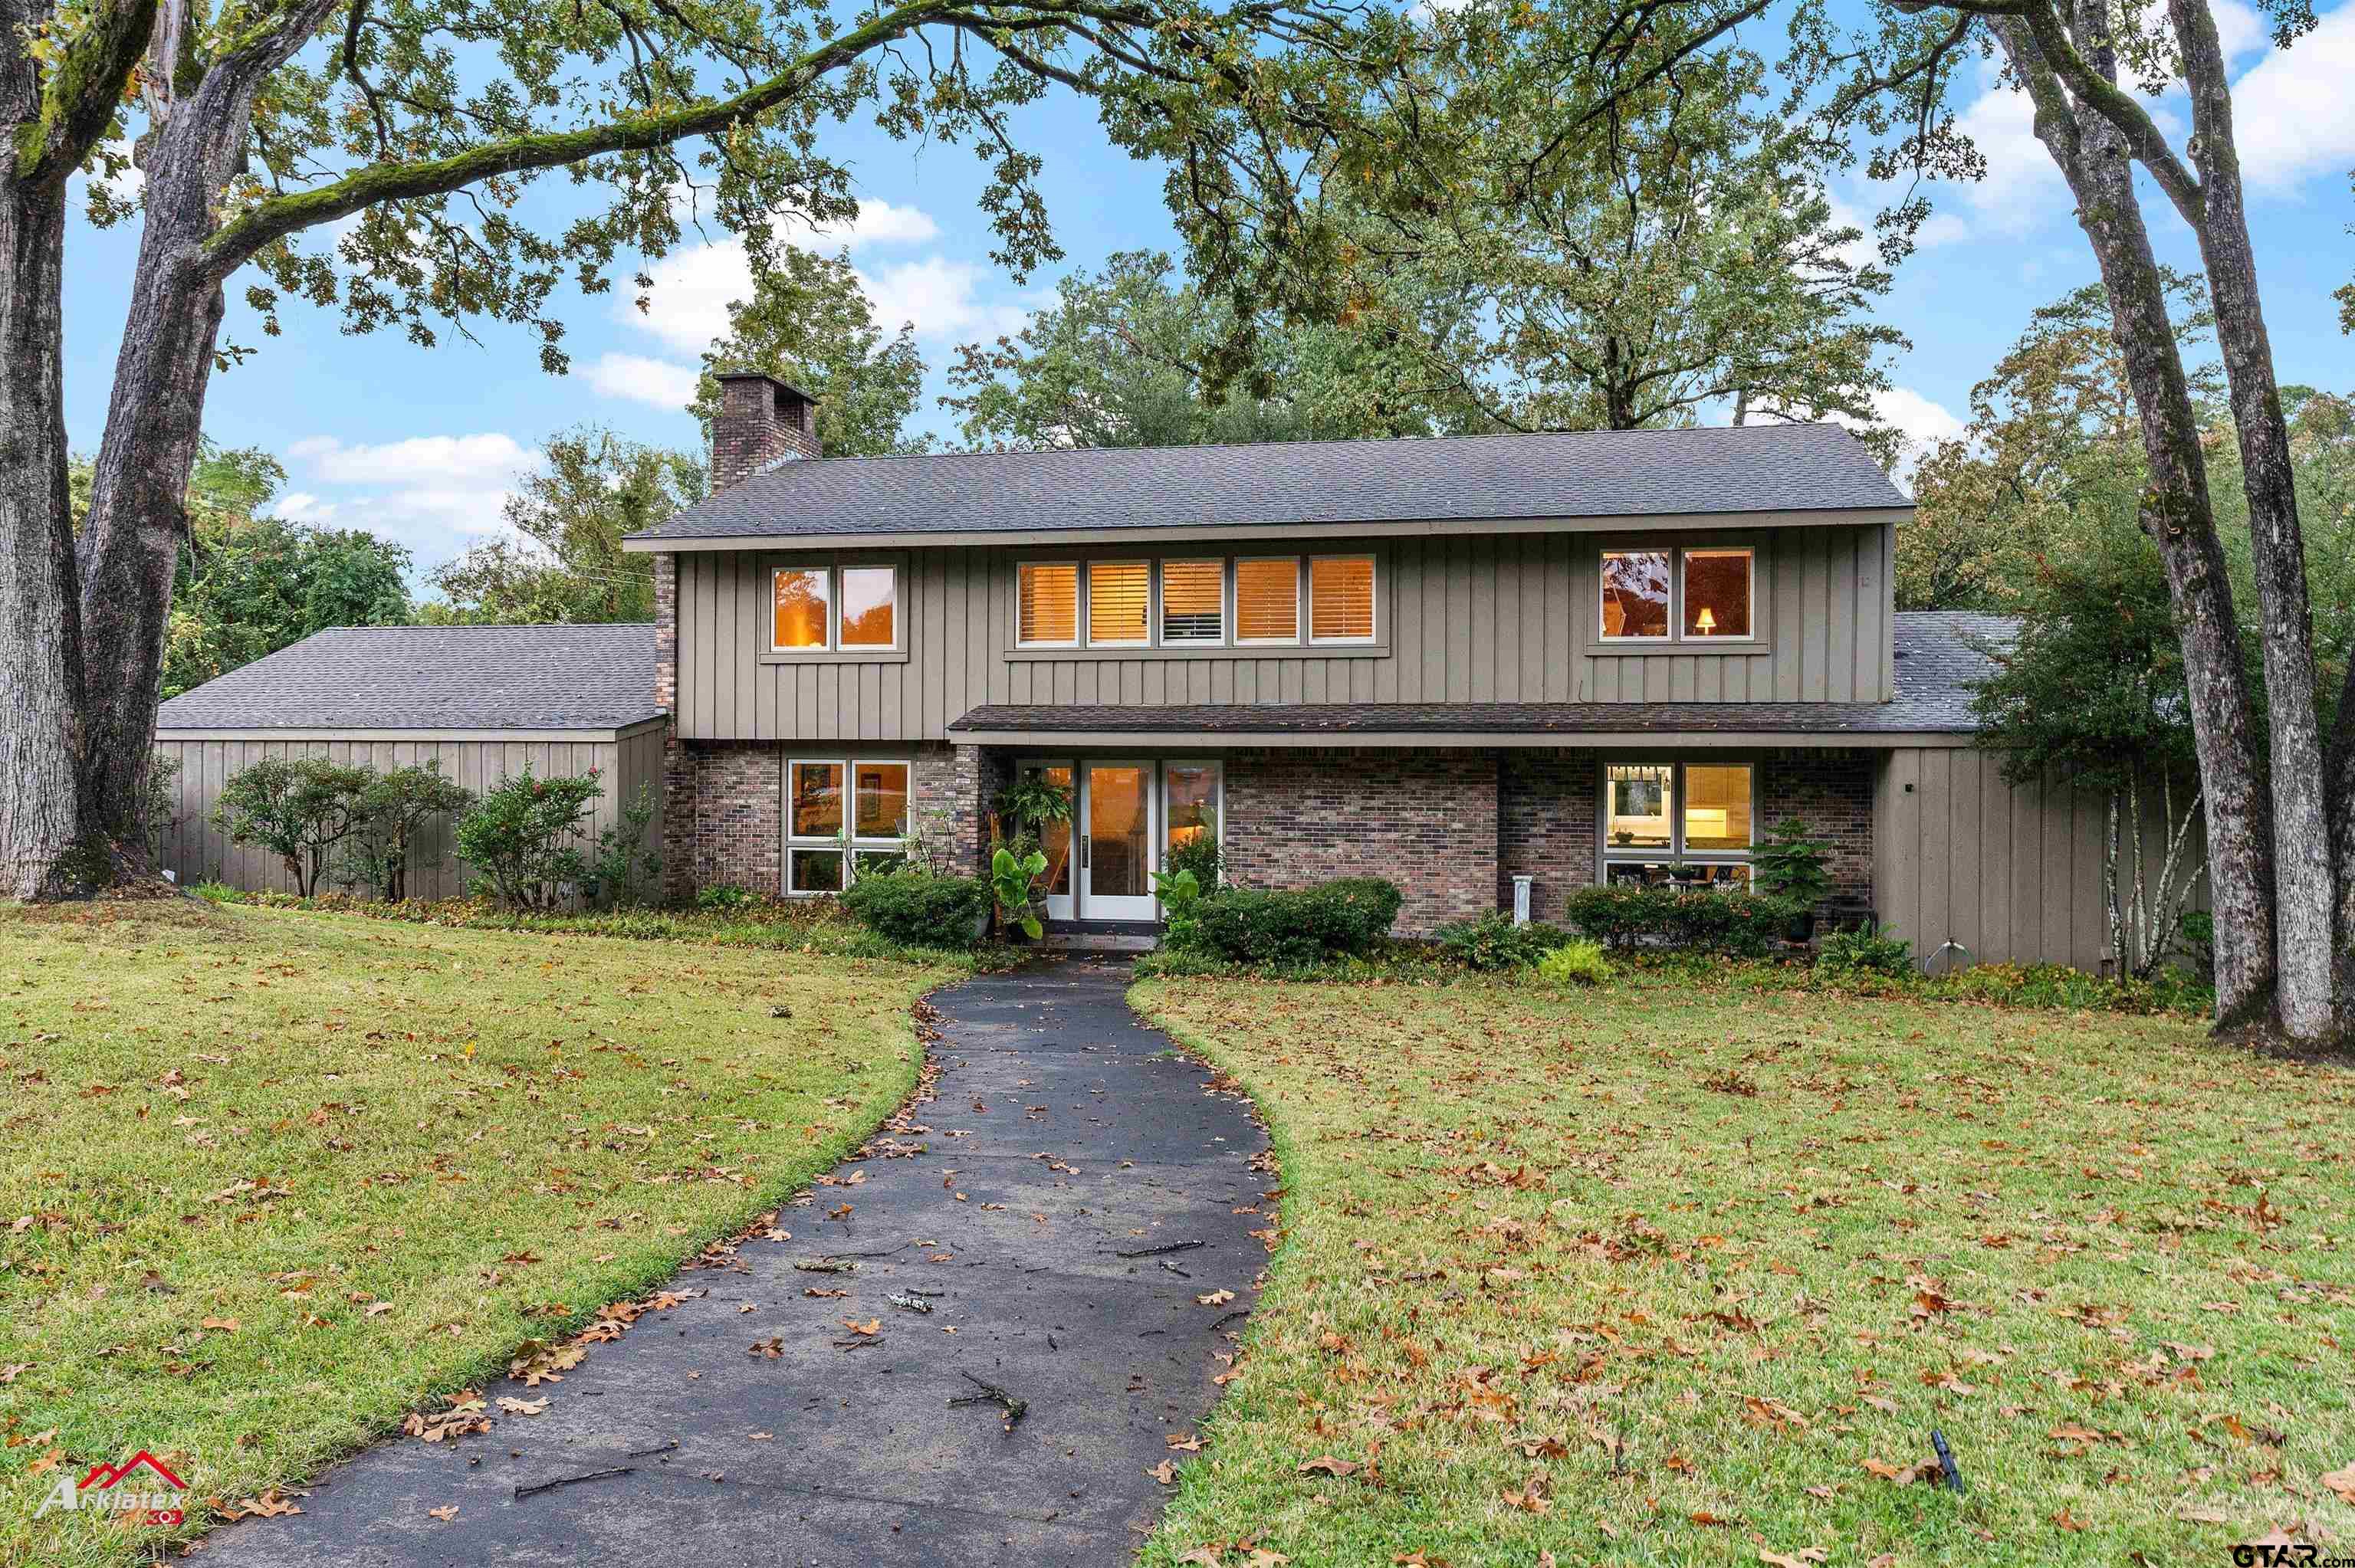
(779, 385)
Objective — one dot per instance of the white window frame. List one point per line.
(1226, 601)
(1217, 800)
(832, 569)
(1674, 852)
(1749, 553)
(1299, 603)
(1373, 608)
(845, 839)
(1079, 603)
(1087, 603)
(1622, 639)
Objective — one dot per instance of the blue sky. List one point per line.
(422, 445)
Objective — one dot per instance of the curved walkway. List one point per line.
(1063, 1133)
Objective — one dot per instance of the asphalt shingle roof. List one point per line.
(1594, 473)
(435, 677)
(1938, 662)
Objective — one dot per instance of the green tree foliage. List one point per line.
(1133, 356)
(527, 837)
(247, 583)
(565, 562)
(265, 584)
(1558, 267)
(809, 322)
(2051, 425)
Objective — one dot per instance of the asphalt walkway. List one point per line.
(1063, 1134)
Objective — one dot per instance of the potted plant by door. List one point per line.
(1790, 864)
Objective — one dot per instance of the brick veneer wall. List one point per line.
(1831, 791)
(1426, 819)
(1547, 825)
(760, 421)
(726, 814)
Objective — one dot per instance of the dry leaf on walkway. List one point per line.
(1216, 1299)
(1165, 1472)
(445, 1514)
(514, 1406)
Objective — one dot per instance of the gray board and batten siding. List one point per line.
(1471, 618)
(483, 702)
(194, 850)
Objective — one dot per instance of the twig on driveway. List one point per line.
(991, 1395)
(1157, 1251)
(523, 1492)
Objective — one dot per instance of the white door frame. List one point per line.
(1116, 906)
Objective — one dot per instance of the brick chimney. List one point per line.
(761, 421)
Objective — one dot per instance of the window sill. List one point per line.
(836, 656)
(1743, 646)
(1226, 650)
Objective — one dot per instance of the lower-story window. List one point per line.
(844, 818)
(1688, 824)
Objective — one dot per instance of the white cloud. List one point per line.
(1923, 422)
(433, 494)
(493, 456)
(2292, 115)
(878, 223)
(686, 308)
(2023, 185)
(660, 382)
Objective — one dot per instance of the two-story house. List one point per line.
(1452, 662)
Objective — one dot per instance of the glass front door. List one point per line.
(1116, 842)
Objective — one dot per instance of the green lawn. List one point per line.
(267, 1178)
(1671, 1273)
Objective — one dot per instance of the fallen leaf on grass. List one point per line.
(1329, 1466)
(2342, 1482)
(1165, 1472)
(1904, 1475)
(218, 1326)
(2067, 1520)
(376, 1309)
(271, 1504)
(1805, 1557)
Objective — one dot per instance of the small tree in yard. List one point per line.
(299, 808)
(393, 806)
(2093, 692)
(524, 837)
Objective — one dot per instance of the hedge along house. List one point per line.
(1453, 663)
(483, 701)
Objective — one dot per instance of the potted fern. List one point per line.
(1791, 866)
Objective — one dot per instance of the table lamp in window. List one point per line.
(1707, 622)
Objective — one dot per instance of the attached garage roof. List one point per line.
(1940, 662)
(362, 678)
(1750, 469)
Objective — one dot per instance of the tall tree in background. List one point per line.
(565, 562)
(809, 322)
(2055, 415)
(257, 129)
(1130, 356)
(1667, 256)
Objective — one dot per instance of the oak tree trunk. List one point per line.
(2306, 893)
(2175, 514)
(41, 685)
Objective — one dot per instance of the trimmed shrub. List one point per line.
(1493, 942)
(1623, 915)
(919, 908)
(1296, 925)
(1865, 952)
(524, 836)
(1575, 962)
(300, 808)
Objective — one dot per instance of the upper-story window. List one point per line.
(1686, 595)
(820, 608)
(1242, 602)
